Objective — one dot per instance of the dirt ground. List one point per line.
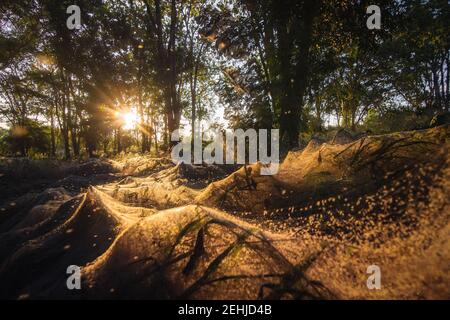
(141, 227)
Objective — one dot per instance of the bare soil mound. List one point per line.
(19, 176)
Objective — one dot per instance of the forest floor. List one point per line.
(141, 227)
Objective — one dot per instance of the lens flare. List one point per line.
(128, 119)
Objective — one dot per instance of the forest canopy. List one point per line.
(137, 70)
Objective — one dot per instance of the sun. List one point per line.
(128, 119)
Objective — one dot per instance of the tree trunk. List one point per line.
(72, 118)
(119, 138)
(52, 133)
(155, 132)
(293, 78)
(65, 129)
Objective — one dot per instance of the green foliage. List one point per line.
(270, 64)
(32, 139)
(394, 120)
(4, 145)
